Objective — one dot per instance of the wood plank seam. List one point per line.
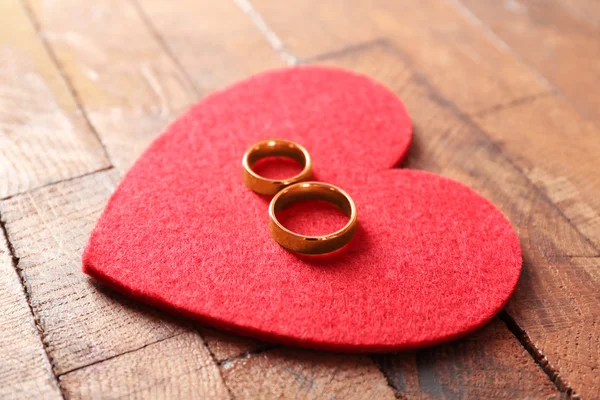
(267, 32)
(214, 359)
(514, 103)
(262, 349)
(395, 389)
(247, 354)
(461, 7)
(60, 69)
(107, 168)
(542, 194)
(176, 368)
(145, 18)
(36, 320)
(344, 51)
(539, 357)
(120, 354)
(383, 41)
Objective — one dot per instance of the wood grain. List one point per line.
(556, 304)
(547, 152)
(25, 370)
(81, 323)
(586, 11)
(448, 47)
(127, 84)
(489, 364)
(176, 368)
(448, 143)
(43, 137)
(214, 41)
(301, 374)
(554, 37)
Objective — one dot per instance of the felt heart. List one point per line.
(432, 260)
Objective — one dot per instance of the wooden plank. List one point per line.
(43, 136)
(548, 35)
(25, 370)
(448, 143)
(82, 323)
(127, 84)
(215, 42)
(567, 171)
(463, 62)
(302, 374)
(557, 305)
(175, 368)
(480, 366)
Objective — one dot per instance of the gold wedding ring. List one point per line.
(273, 148)
(312, 244)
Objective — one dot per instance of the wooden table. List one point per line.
(504, 95)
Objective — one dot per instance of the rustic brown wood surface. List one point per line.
(503, 97)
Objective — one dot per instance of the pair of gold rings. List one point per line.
(295, 189)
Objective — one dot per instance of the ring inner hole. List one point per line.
(312, 218)
(315, 213)
(277, 162)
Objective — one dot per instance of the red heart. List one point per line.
(431, 261)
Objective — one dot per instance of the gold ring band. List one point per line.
(271, 148)
(312, 244)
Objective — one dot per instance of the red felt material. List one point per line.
(432, 260)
